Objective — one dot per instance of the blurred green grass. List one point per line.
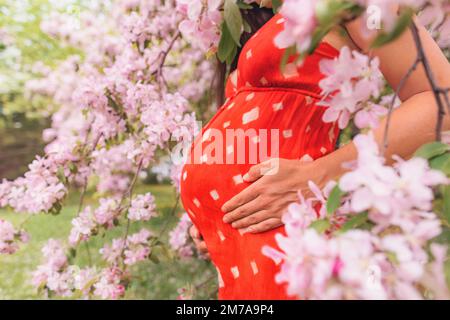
(152, 281)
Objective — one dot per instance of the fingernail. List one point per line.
(225, 219)
(233, 225)
(246, 177)
(242, 231)
(245, 230)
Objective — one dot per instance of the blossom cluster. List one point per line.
(10, 237)
(387, 261)
(115, 109)
(351, 84)
(303, 17)
(133, 249)
(436, 16)
(179, 237)
(128, 97)
(201, 22)
(56, 276)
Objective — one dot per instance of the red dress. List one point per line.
(259, 96)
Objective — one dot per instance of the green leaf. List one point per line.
(431, 150)
(233, 20)
(286, 55)
(402, 23)
(329, 12)
(355, 222)
(244, 5)
(441, 163)
(153, 258)
(276, 5)
(226, 44)
(334, 200)
(73, 252)
(320, 225)
(247, 27)
(233, 53)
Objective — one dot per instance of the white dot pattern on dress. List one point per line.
(196, 202)
(214, 194)
(278, 106)
(221, 235)
(235, 272)
(220, 279)
(254, 267)
(226, 124)
(290, 71)
(238, 179)
(249, 54)
(250, 96)
(287, 133)
(306, 158)
(206, 135)
(231, 105)
(191, 213)
(184, 175)
(255, 139)
(308, 99)
(323, 150)
(250, 116)
(263, 81)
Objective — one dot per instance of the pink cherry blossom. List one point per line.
(10, 237)
(300, 22)
(142, 207)
(179, 236)
(350, 81)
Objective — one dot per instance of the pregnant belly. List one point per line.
(248, 129)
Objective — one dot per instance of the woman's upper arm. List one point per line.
(397, 57)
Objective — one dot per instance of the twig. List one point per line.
(83, 194)
(203, 283)
(429, 73)
(130, 195)
(172, 213)
(163, 56)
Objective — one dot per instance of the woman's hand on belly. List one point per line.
(276, 183)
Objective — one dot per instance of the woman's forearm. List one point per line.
(412, 124)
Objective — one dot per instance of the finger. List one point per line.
(259, 170)
(193, 231)
(254, 173)
(201, 246)
(241, 198)
(264, 226)
(244, 210)
(252, 219)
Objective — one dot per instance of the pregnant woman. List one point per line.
(234, 206)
